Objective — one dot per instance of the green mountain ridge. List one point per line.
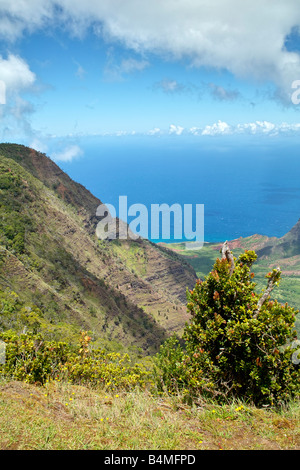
(127, 293)
(285, 247)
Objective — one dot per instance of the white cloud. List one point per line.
(260, 128)
(195, 130)
(155, 131)
(264, 127)
(16, 74)
(246, 38)
(38, 145)
(175, 129)
(284, 127)
(68, 154)
(133, 65)
(220, 93)
(19, 16)
(217, 128)
(170, 86)
(15, 78)
(115, 71)
(255, 128)
(123, 133)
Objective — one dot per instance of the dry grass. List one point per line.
(60, 416)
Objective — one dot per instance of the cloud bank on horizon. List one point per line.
(249, 45)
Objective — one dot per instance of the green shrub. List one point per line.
(170, 372)
(98, 367)
(14, 223)
(237, 343)
(31, 359)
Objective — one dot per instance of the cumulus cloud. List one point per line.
(246, 38)
(67, 154)
(19, 16)
(16, 74)
(178, 130)
(268, 128)
(195, 130)
(264, 127)
(254, 128)
(15, 111)
(218, 128)
(154, 131)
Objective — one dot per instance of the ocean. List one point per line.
(248, 185)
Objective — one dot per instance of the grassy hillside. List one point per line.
(62, 416)
(125, 293)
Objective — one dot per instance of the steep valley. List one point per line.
(127, 293)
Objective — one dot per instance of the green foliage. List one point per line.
(289, 288)
(30, 358)
(100, 368)
(33, 358)
(231, 348)
(14, 223)
(17, 316)
(170, 370)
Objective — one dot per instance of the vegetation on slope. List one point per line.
(37, 262)
(89, 398)
(238, 344)
(271, 252)
(129, 294)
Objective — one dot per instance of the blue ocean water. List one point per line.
(247, 185)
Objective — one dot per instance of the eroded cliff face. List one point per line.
(129, 291)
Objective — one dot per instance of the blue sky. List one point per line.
(193, 69)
